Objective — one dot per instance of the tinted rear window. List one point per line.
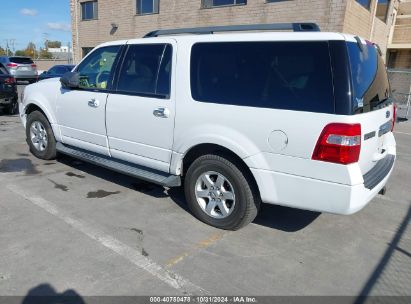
(370, 86)
(21, 60)
(280, 75)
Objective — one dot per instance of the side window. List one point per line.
(278, 75)
(52, 71)
(95, 69)
(146, 70)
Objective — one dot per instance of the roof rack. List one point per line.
(296, 27)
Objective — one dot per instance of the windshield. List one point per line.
(370, 86)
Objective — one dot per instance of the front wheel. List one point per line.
(220, 194)
(40, 136)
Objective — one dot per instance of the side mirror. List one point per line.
(70, 80)
(45, 73)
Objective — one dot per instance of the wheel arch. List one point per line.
(35, 106)
(208, 148)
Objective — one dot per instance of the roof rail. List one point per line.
(296, 27)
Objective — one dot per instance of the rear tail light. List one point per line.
(394, 116)
(339, 143)
(10, 80)
(34, 66)
(12, 65)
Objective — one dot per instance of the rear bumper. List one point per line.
(318, 195)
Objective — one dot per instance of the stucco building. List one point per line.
(97, 21)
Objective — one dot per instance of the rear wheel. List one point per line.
(40, 136)
(220, 194)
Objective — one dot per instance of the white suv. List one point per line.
(301, 119)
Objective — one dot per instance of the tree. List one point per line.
(44, 54)
(20, 53)
(53, 44)
(30, 50)
(2, 51)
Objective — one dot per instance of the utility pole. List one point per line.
(46, 39)
(7, 46)
(12, 42)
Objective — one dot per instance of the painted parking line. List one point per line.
(172, 279)
(398, 132)
(200, 245)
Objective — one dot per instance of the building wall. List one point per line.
(188, 13)
(331, 15)
(363, 22)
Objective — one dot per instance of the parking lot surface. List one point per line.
(69, 225)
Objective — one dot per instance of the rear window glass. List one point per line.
(280, 75)
(370, 86)
(146, 69)
(21, 60)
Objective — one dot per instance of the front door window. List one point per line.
(95, 70)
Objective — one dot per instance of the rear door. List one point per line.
(372, 105)
(140, 113)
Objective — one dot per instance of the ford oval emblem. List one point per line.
(387, 114)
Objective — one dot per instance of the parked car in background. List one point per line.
(8, 91)
(56, 71)
(21, 68)
(302, 119)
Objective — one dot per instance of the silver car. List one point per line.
(21, 68)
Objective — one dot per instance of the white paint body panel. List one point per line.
(133, 132)
(125, 128)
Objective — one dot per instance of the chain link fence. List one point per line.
(401, 87)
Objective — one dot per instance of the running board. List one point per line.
(144, 173)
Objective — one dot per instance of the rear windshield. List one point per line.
(276, 75)
(370, 86)
(21, 60)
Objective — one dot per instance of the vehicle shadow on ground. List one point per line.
(398, 276)
(272, 216)
(46, 294)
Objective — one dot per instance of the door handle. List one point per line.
(161, 112)
(93, 103)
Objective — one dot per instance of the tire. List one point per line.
(13, 108)
(40, 136)
(213, 181)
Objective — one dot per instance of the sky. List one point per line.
(33, 20)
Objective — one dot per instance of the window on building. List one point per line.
(382, 9)
(365, 3)
(392, 58)
(147, 7)
(216, 3)
(146, 70)
(89, 10)
(86, 50)
(270, 1)
(276, 75)
(95, 70)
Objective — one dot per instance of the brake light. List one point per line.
(12, 65)
(10, 80)
(339, 143)
(34, 66)
(394, 116)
